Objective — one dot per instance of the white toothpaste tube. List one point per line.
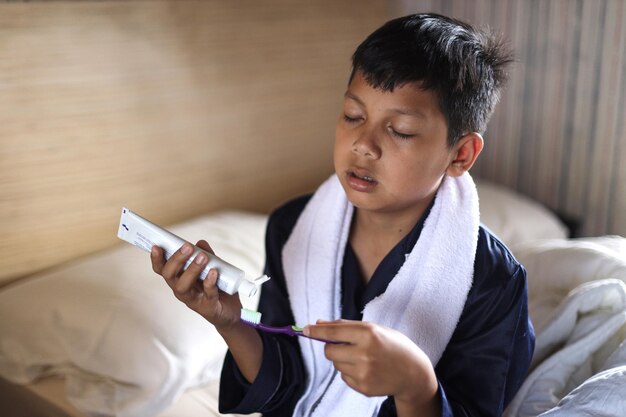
(144, 234)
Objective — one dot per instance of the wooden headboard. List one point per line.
(171, 108)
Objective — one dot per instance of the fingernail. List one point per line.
(186, 249)
(153, 251)
(200, 258)
(306, 331)
(213, 273)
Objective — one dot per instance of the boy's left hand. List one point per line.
(376, 360)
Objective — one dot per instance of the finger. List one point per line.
(175, 264)
(157, 259)
(351, 382)
(189, 278)
(346, 331)
(209, 285)
(204, 245)
(344, 356)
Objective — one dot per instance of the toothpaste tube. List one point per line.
(144, 234)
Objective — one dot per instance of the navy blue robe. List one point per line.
(480, 370)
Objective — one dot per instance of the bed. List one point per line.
(103, 335)
(139, 104)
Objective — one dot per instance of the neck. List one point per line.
(387, 226)
(383, 228)
(373, 235)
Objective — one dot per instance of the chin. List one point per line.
(363, 201)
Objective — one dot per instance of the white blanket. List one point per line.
(579, 366)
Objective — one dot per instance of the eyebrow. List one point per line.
(401, 110)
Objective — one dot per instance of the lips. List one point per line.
(361, 180)
(363, 177)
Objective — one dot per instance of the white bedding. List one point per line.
(125, 346)
(578, 303)
(579, 366)
(201, 401)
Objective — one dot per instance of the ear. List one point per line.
(465, 152)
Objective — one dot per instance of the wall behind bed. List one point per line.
(173, 108)
(559, 133)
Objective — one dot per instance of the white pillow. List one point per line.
(557, 266)
(113, 328)
(515, 218)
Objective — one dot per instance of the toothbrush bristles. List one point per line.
(250, 316)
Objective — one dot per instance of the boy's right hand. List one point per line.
(219, 308)
(203, 297)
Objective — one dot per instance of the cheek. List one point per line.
(336, 157)
(338, 151)
(341, 133)
(342, 141)
(410, 170)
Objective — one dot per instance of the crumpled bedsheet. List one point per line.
(579, 366)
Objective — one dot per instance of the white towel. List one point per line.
(424, 300)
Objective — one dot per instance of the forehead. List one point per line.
(409, 98)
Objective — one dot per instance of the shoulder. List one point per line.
(498, 296)
(494, 339)
(495, 266)
(499, 279)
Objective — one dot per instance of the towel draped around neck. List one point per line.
(424, 300)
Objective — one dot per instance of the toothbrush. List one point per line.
(253, 319)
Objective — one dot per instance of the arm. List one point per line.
(260, 373)
(220, 309)
(281, 378)
(489, 354)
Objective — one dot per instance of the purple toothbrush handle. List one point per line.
(288, 330)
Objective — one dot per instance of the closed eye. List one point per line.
(351, 119)
(401, 135)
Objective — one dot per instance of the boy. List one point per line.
(429, 307)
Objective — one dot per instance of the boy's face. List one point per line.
(391, 149)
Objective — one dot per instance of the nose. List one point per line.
(366, 145)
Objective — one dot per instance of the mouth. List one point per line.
(364, 177)
(361, 180)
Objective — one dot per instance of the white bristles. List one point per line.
(250, 316)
